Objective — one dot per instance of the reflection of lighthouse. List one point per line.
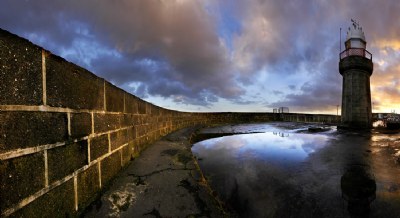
(356, 68)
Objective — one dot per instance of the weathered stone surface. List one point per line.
(131, 133)
(155, 110)
(138, 119)
(356, 95)
(81, 124)
(114, 98)
(98, 147)
(58, 202)
(106, 122)
(128, 120)
(135, 151)
(131, 104)
(141, 130)
(356, 62)
(20, 177)
(64, 160)
(88, 186)
(141, 107)
(71, 86)
(20, 71)
(148, 108)
(28, 129)
(110, 166)
(127, 153)
(118, 138)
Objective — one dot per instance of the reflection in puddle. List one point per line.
(286, 173)
(358, 189)
(267, 146)
(254, 171)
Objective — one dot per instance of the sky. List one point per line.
(218, 55)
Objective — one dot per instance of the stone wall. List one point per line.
(65, 133)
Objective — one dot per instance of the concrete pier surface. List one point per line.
(164, 181)
(333, 173)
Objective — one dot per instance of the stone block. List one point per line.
(135, 147)
(110, 167)
(126, 154)
(88, 186)
(128, 120)
(149, 107)
(20, 177)
(106, 122)
(131, 104)
(98, 147)
(141, 107)
(141, 130)
(81, 124)
(64, 160)
(131, 133)
(20, 71)
(118, 138)
(155, 110)
(58, 202)
(28, 129)
(137, 119)
(71, 86)
(114, 98)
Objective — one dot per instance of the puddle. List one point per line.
(253, 170)
(290, 172)
(268, 147)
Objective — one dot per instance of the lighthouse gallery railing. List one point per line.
(355, 52)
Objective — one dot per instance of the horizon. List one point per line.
(218, 56)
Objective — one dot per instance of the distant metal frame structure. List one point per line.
(280, 110)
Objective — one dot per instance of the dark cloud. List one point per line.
(289, 36)
(196, 52)
(321, 93)
(283, 36)
(178, 34)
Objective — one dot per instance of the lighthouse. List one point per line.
(356, 67)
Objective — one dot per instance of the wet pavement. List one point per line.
(285, 170)
(260, 170)
(164, 181)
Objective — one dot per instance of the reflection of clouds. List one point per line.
(226, 142)
(250, 167)
(315, 143)
(265, 146)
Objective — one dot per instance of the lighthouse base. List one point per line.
(354, 127)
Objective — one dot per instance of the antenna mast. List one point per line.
(340, 42)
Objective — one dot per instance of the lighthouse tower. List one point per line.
(356, 67)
